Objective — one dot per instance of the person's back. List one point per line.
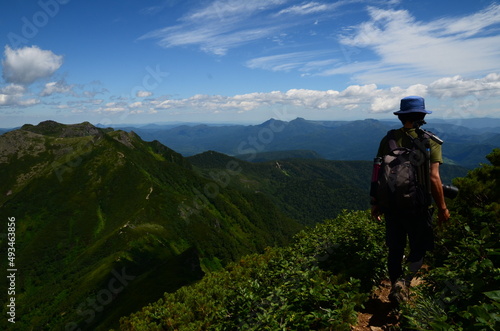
(412, 223)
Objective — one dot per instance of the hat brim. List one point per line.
(417, 110)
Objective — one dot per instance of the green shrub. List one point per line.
(309, 285)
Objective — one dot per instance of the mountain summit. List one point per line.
(55, 129)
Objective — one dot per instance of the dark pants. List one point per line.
(415, 226)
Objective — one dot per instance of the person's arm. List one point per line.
(375, 210)
(438, 195)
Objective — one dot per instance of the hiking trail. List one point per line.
(379, 313)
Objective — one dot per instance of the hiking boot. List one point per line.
(400, 291)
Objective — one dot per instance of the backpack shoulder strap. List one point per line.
(422, 142)
(391, 140)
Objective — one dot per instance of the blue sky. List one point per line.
(237, 61)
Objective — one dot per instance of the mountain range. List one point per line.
(466, 141)
(106, 221)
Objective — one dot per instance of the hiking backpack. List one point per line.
(402, 181)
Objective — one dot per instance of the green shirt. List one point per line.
(403, 139)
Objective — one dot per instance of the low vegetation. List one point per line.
(315, 283)
(322, 279)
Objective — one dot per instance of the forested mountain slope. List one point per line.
(95, 207)
(308, 190)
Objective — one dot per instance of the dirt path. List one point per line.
(379, 313)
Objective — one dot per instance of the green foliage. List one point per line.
(308, 190)
(349, 245)
(312, 284)
(90, 202)
(461, 291)
(297, 187)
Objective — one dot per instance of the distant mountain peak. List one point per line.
(52, 128)
(272, 121)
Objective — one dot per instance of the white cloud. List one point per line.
(367, 98)
(222, 25)
(144, 94)
(14, 95)
(414, 50)
(13, 100)
(226, 24)
(473, 24)
(231, 9)
(137, 112)
(56, 87)
(28, 64)
(305, 8)
(5, 99)
(13, 89)
(457, 86)
(214, 37)
(355, 96)
(314, 7)
(95, 91)
(28, 102)
(354, 100)
(136, 104)
(305, 61)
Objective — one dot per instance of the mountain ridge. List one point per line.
(95, 205)
(333, 140)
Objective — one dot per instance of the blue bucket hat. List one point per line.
(412, 104)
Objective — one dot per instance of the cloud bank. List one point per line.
(364, 98)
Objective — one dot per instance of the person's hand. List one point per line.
(443, 216)
(376, 213)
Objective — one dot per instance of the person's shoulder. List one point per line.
(434, 145)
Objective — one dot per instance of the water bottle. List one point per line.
(377, 162)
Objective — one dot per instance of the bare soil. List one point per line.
(379, 313)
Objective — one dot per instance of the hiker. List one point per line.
(410, 220)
